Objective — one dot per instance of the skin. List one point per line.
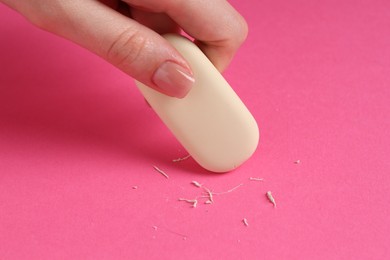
(128, 33)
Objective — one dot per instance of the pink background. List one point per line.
(76, 136)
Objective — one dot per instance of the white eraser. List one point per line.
(211, 122)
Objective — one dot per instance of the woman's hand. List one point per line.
(127, 33)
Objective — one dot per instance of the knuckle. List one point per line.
(236, 33)
(126, 48)
(241, 30)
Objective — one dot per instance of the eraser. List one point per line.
(211, 122)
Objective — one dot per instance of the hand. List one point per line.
(127, 33)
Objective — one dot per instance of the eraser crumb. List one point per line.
(193, 202)
(271, 198)
(231, 190)
(161, 171)
(210, 194)
(181, 159)
(256, 179)
(197, 184)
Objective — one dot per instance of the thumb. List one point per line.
(128, 45)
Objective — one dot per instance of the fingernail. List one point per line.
(173, 79)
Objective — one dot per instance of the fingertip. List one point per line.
(173, 79)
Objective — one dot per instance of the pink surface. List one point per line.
(76, 136)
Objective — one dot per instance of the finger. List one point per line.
(217, 27)
(158, 22)
(132, 47)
